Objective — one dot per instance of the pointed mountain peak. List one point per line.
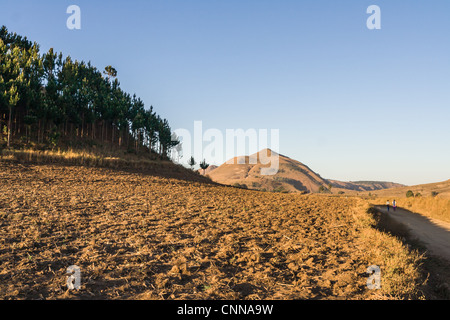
(267, 152)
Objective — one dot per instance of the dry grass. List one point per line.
(101, 159)
(140, 236)
(435, 269)
(74, 157)
(401, 276)
(426, 190)
(432, 207)
(437, 207)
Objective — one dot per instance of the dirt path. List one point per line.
(435, 234)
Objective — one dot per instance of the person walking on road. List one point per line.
(394, 205)
(388, 204)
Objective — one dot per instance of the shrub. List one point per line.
(279, 190)
(410, 194)
(256, 185)
(434, 194)
(192, 163)
(204, 166)
(323, 189)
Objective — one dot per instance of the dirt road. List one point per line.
(433, 233)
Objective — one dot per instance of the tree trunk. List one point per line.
(16, 125)
(44, 126)
(9, 127)
(82, 127)
(136, 140)
(39, 130)
(112, 133)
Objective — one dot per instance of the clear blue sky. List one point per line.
(352, 103)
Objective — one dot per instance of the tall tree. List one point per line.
(49, 95)
(204, 166)
(11, 77)
(192, 163)
(110, 72)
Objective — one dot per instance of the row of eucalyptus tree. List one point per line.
(47, 98)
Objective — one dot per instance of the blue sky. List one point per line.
(351, 103)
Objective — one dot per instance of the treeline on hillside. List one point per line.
(47, 98)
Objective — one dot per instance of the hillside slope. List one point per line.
(441, 188)
(292, 176)
(365, 185)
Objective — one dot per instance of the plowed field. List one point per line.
(138, 236)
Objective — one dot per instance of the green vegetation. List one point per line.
(204, 165)
(280, 190)
(47, 99)
(323, 189)
(410, 194)
(192, 163)
(256, 185)
(294, 183)
(240, 186)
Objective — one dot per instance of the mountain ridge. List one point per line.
(292, 176)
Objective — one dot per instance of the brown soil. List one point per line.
(138, 236)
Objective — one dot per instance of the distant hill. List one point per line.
(292, 176)
(365, 185)
(442, 189)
